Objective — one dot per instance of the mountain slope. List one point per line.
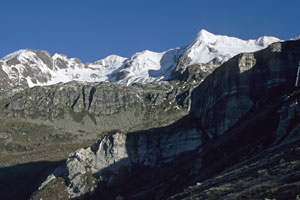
(35, 67)
(243, 112)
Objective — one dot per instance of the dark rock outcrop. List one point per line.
(231, 91)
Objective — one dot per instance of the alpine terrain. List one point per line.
(216, 119)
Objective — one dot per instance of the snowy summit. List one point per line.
(36, 67)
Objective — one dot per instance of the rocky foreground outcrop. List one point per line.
(243, 119)
(117, 153)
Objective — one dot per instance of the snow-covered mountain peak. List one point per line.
(112, 61)
(148, 66)
(223, 40)
(26, 60)
(147, 54)
(20, 55)
(15, 54)
(210, 48)
(114, 58)
(59, 56)
(266, 41)
(205, 37)
(296, 38)
(37, 67)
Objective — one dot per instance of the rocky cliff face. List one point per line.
(246, 107)
(265, 162)
(240, 83)
(101, 107)
(113, 154)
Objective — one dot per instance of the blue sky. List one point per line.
(93, 29)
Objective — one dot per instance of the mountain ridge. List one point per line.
(37, 67)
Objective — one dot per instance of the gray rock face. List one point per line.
(261, 171)
(239, 83)
(110, 150)
(101, 107)
(114, 153)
